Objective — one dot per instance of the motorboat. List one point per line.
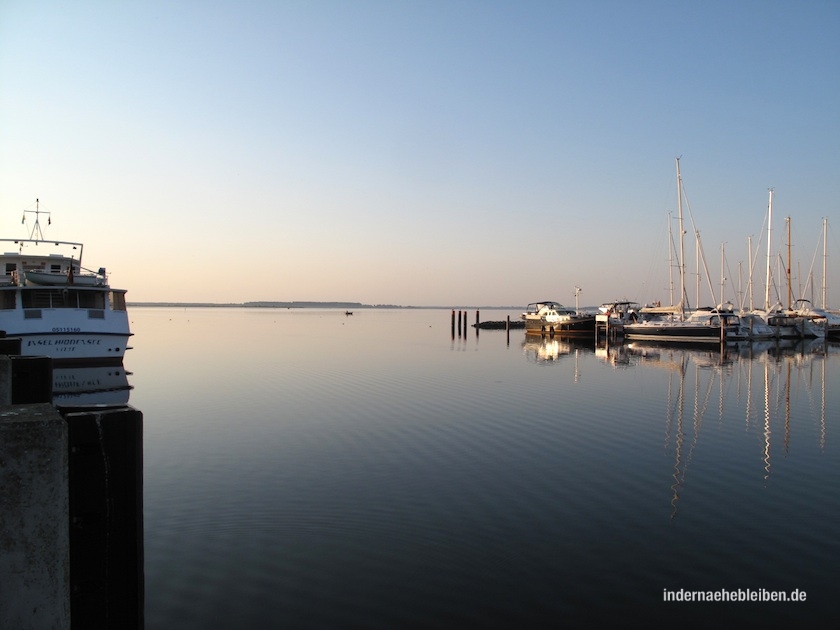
(754, 328)
(793, 323)
(550, 317)
(57, 307)
(612, 316)
(822, 322)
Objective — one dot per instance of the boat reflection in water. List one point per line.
(85, 386)
(550, 348)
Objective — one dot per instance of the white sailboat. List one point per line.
(787, 322)
(673, 323)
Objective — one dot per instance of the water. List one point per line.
(304, 468)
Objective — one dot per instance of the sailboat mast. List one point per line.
(769, 235)
(671, 260)
(682, 239)
(790, 288)
(749, 277)
(825, 264)
(697, 267)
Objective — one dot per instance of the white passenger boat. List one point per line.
(57, 307)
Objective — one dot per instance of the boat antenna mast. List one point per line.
(36, 234)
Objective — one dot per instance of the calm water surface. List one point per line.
(305, 469)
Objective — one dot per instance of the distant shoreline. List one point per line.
(290, 305)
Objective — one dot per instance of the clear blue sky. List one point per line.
(424, 152)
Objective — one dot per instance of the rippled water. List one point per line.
(304, 468)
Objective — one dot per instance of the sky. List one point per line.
(425, 152)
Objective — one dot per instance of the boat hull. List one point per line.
(670, 332)
(576, 326)
(75, 347)
(791, 327)
(69, 334)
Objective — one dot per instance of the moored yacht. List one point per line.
(754, 328)
(553, 318)
(792, 324)
(821, 323)
(705, 325)
(612, 316)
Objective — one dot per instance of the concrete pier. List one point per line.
(34, 516)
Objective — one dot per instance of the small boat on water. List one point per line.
(794, 324)
(828, 320)
(57, 307)
(821, 323)
(754, 328)
(613, 316)
(550, 317)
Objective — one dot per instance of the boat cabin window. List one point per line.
(63, 298)
(7, 300)
(90, 299)
(118, 300)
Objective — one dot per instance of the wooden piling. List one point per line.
(106, 515)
